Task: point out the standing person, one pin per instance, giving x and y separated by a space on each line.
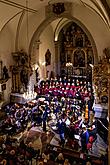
61 130
90 104
37 74
45 116
2 160
84 138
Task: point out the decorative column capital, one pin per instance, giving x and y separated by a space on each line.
36 44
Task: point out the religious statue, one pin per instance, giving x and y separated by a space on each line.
48 57
5 73
24 77
107 54
37 74
79 38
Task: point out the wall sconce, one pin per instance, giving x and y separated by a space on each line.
69 64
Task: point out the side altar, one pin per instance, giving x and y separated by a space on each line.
101 86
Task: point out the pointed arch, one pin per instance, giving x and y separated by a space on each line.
48 20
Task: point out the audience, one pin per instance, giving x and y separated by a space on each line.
60 159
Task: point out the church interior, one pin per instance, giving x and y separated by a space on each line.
54 82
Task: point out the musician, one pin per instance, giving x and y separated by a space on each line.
84 138
64 81
71 93
61 129
57 109
45 116
67 122
63 101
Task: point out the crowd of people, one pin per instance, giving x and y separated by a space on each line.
62 105
65 88
12 152
71 101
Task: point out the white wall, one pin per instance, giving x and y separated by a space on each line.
47 42
90 19
95 25
6 47
34 20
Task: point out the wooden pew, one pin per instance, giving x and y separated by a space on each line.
75 155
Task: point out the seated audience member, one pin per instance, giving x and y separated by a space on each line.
30 152
88 163
12 157
66 162
37 144
51 160
21 160
22 147
45 156
2 160
60 159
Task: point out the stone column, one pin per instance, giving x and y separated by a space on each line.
34 64
35 55
57 59
109 114
35 52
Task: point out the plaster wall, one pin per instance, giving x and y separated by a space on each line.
6 48
92 21
99 31
34 20
47 42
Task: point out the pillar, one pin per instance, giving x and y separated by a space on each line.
35 52
57 59
109 114
35 56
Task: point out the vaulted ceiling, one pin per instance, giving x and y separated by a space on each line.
9 8
14 22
